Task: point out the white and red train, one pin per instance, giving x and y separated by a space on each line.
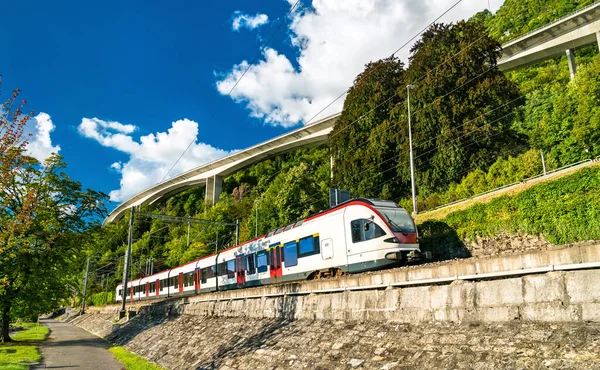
355 236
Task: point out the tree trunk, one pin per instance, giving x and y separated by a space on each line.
4 336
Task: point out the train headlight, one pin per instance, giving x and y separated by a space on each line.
392 240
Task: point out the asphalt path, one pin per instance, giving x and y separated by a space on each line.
70 347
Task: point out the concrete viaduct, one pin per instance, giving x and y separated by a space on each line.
561 36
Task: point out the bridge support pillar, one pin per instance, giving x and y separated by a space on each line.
214 186
571 61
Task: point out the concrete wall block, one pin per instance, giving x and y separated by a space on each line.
493 314
440 296
465 268
365 280
499 292
391 277
462 294
411 315
551 311
420 274
545 288
590 312
535 259
583 286
444 271
415 297
564 256
388 299
590 253
506 263
350 281
449 314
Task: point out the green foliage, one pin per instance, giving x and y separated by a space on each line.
39 262
517 17
131 361
34 332
564 211
14 355
461 115
101 298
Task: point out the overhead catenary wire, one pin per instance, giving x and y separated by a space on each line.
239 79
339 96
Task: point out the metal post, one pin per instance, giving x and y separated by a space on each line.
256 219
106 292
127 257
331 167
188 234
237 231
152 266
217 261
412 164
85 281
543 163
571 61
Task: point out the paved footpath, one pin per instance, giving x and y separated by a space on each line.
70 347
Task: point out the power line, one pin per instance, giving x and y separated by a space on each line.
239 79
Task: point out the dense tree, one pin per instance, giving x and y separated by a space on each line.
38 260
366 134
463 105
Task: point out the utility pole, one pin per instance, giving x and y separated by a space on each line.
256 219
237 231
188 233
412 163
85 281
106 291
543 163
127 257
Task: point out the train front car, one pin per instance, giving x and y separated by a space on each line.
381 235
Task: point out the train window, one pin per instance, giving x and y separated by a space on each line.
279 230
288 227
204 275
121 292
152 287
308 246
251 267
363 229
222 268
261 261
299 223
231 269
175 281
290 254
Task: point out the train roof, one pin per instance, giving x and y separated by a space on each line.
369 202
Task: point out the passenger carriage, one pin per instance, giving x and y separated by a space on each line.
355 236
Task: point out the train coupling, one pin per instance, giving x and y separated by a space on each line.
410 257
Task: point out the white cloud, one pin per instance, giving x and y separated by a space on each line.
248 21
152 155
334 40
39 142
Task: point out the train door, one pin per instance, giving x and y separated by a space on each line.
240 269
157 287
197 280
147 289
181 282
275 258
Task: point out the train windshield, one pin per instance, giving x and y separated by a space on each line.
399 220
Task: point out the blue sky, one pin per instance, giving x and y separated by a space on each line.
108 73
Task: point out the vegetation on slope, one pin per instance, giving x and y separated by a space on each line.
565 210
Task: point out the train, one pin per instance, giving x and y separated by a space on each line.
355 236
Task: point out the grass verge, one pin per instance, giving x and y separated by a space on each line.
131 361
16 355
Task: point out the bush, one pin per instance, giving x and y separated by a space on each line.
564 211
